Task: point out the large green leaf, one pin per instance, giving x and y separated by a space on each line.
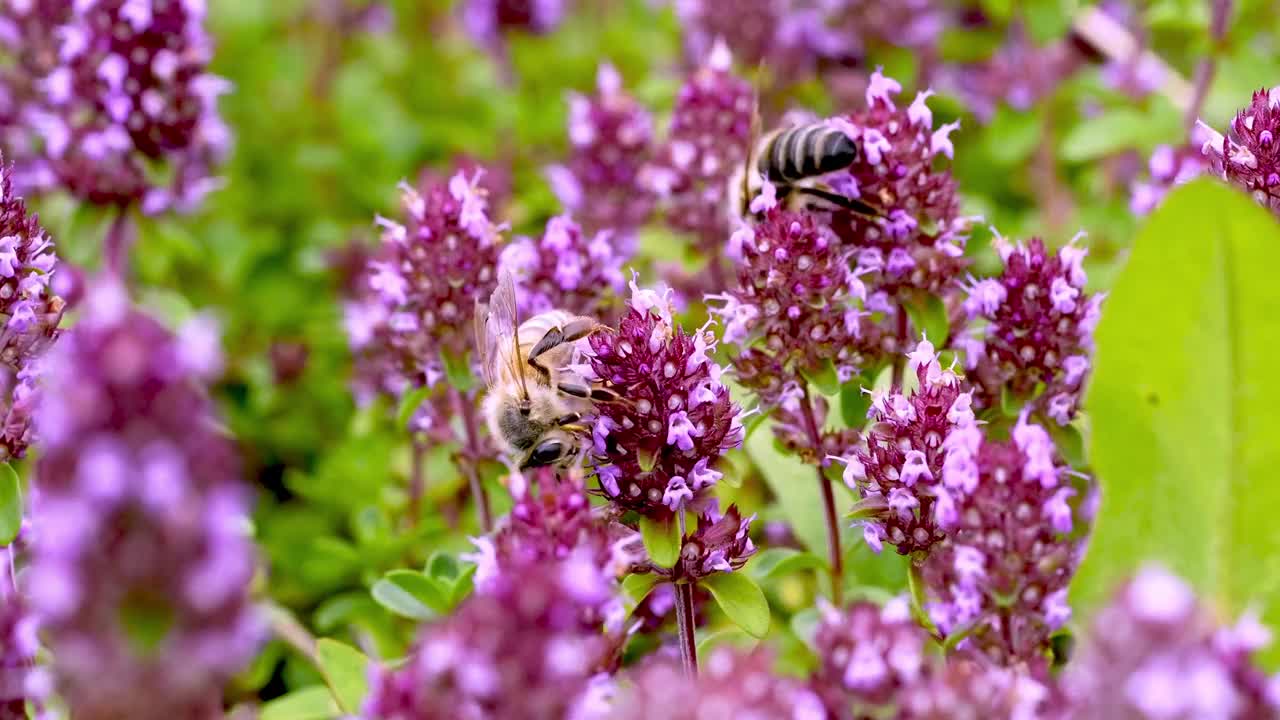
345 671
1185 403
661 540
742 600
309 703
10 504
411 594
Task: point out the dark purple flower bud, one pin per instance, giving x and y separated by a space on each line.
1039 328
919 242
917 459
421 287
19 682
706 144
102 92
1157 652
31 311
141 560
1000 580
795 301
719 544
1019 74
1169 167
1249 155
486 21
611 139
730 684
565 270
867 655
656 449
517 651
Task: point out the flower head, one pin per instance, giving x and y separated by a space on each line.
1169 167
103 91
719 544
706 144
655 449
1012 547
1156 652
917 459
140 514
1249 155
967 688
610 138
564 270
1018 74
919 241
868 654
1039 328
18 642
730 684
518 650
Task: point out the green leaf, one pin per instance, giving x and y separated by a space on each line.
309 703
10 504
661 540
1184 404
346 672
732 637
930 317
462 586
637 587
458 371
854 403
741 599
805 625
824 378
409 404
442 567
1115 131
795 563
410 594
796 487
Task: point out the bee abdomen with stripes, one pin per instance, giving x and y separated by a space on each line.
806 151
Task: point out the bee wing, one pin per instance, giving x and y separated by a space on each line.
486 344
502 327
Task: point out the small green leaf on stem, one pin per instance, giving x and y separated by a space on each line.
410 594
742 600
345 671
309 703
10 504
661 540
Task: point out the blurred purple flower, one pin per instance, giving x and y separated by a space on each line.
1014 541
918 458
1169 167
852 27
867 655
656 450
565 270
516 651
611 140
99 92
706 143
1156 652
966 688
19 681
730 684
1019 74
487 21
141 560
1039 329
1249 155
768 32
33 311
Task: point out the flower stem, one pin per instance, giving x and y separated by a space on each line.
828 499
900 357
684 618
115 246
471 456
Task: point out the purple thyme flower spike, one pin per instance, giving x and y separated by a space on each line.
655 451
486 21
795 302
730 684
611 139
719 544
1157 652
518 650
1013 545
707 142
918 243
967 688
916 461
422 284
33 311
1019 74
1249 155
20 682
1039 328
1169 167
867 654
100 92
755 31
140 514
565 270
851 27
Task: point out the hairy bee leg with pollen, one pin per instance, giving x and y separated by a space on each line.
597 394
555 337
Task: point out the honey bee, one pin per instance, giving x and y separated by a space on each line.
534 405
794 159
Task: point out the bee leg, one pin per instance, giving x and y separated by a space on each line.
575 329
598 394
568 419
851 204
